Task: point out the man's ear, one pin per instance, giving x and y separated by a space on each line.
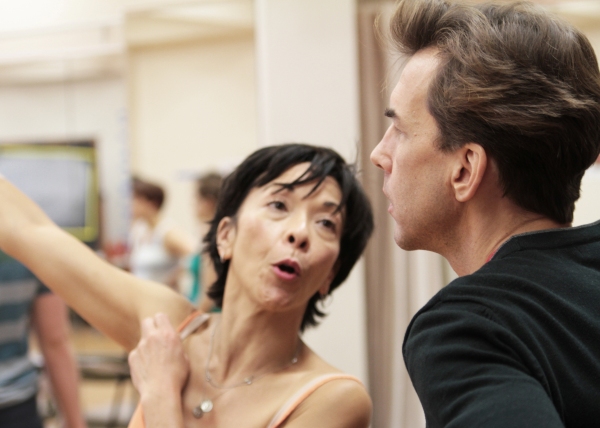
468 171
225 238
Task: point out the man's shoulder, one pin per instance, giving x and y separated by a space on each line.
527 269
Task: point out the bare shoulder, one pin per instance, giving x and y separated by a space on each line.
341 402
178 243
159 298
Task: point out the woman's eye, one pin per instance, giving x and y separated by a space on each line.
329 224
278 205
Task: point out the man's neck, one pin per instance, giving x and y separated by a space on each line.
480 237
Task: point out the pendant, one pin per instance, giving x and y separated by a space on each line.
197 412
204 407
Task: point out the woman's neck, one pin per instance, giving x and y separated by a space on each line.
151 219
251 343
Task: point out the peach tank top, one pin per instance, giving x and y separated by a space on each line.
194 321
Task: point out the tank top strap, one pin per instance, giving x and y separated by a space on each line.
191 323
295 400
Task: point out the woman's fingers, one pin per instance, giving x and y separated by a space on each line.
148 326
162 321
159 358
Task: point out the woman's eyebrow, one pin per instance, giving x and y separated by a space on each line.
280 187
332 205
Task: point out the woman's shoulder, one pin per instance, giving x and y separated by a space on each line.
328 397
329 400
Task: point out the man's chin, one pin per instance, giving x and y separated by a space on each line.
403 241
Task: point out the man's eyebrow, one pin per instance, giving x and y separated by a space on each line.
389 112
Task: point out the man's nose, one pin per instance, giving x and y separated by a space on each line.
378 156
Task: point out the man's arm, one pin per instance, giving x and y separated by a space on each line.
469 371
51 325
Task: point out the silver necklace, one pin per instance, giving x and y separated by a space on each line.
206 405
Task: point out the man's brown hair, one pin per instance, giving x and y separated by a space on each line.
521 83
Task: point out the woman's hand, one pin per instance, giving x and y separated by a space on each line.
158 364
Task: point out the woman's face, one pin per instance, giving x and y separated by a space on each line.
283 244
141 208
205 209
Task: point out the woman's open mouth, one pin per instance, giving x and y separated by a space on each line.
287 269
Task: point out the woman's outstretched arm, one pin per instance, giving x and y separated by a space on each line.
110 299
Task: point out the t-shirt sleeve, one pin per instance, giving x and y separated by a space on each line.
42 289
470 371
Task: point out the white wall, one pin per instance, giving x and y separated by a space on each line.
308 92
66 111
193 107
587 209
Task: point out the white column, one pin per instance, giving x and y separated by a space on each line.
307 75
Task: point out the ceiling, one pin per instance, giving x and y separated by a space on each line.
95 44
97 47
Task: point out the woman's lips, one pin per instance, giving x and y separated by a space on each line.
287 269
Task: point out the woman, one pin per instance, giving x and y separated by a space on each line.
156 247
291 222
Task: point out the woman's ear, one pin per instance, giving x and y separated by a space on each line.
324 289
225 238
468 171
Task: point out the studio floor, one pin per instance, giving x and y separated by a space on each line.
107 395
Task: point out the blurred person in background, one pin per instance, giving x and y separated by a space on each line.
199 272
155 245
25 304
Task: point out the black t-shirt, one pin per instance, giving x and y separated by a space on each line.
517 343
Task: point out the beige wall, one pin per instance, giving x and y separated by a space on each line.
193 107
308 91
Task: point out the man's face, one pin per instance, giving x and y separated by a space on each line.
416 172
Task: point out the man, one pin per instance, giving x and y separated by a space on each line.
24 301
495 118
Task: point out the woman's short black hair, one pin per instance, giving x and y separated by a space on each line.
268 163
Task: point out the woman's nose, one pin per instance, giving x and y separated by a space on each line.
298 235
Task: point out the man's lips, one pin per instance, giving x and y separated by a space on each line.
388 198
